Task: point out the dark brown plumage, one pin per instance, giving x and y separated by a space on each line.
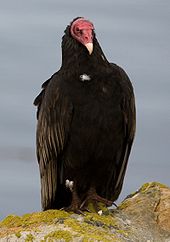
86 125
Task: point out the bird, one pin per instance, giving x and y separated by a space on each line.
86 122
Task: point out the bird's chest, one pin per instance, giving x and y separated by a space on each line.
94 89
96 104
94 86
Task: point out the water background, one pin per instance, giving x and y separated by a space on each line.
133 34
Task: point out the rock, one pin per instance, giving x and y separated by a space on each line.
163 210
142 216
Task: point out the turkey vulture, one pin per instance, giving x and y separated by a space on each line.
86 125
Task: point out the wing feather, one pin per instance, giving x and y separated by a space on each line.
54 118
129 124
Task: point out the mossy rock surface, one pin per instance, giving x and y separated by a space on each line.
142 216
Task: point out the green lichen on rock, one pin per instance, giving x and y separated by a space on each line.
92 229
29 238
29 220
100 206
11 221
16 224
124 204
18 234
103 221
58 235
145 187
150 187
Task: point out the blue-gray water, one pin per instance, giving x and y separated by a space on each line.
133 34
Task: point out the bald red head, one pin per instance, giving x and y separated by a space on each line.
82 30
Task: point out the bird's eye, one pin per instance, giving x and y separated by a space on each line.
79 31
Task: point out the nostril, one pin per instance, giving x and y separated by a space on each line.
87 38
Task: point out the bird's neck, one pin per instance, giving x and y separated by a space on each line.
76 58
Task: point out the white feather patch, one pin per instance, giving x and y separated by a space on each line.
100 212
85 77
69 184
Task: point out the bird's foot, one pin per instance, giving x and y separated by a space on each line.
75 203
94 199
74 209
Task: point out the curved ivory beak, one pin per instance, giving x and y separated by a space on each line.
89 47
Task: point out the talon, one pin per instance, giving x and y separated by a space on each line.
85 208
94 198
74 210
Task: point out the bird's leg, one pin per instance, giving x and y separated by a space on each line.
93 197
76 202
